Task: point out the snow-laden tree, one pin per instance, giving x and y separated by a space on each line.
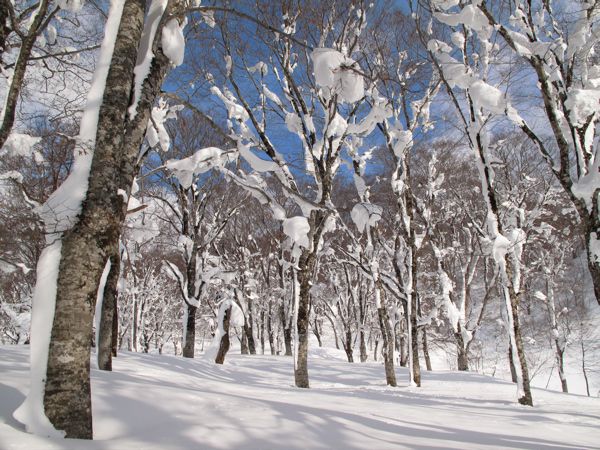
558 42
476 102
318 93
85 215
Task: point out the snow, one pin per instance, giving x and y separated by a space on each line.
156 132
365 215
487 97
170 403
173 42
145 54
582 103
336 73
201 161
470 16
19 144
31 411
297 228
236 319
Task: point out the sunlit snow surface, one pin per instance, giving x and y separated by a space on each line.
166 402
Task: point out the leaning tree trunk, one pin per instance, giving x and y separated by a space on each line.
87 246
190 332
224 344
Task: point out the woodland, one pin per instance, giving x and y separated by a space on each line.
411 183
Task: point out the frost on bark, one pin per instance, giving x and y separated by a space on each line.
87 246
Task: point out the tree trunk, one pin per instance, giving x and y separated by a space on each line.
105 344
363 347
115 327
244 342
387 338
426 351
67 396
526 398
511 362
416 372
224 344
190 332
462 359
317 333
249 329
348 346
560 360
271 334
305 276
376 347
287 332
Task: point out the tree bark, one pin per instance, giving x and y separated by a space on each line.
305 278
87 246
348 345
67 397
387 338
190 332
363 347
105 345
224 344
462 359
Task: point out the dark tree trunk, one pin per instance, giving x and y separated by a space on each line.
224 344
244 343
105 342
86 247
287 332
249 329
511 362
348 345
190 332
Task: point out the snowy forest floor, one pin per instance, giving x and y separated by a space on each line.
167 402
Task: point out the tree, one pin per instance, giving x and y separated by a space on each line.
559 47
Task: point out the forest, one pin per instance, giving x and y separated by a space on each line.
410 186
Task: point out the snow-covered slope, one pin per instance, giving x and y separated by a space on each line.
167 402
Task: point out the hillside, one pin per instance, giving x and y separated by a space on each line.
166 402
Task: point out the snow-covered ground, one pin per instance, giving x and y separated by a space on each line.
167 402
